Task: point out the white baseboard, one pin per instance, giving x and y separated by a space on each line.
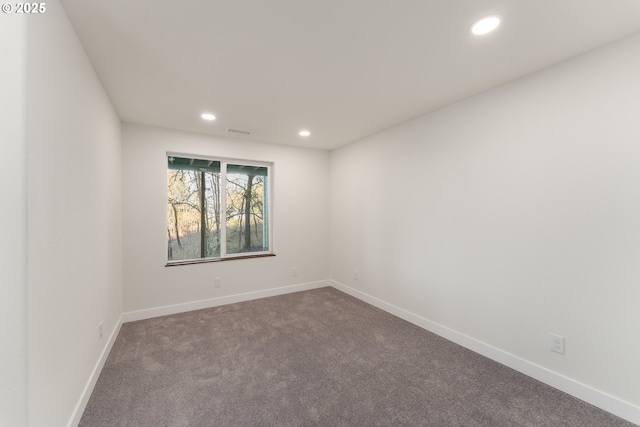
76 415
618 407
214 302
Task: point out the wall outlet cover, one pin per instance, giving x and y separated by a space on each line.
556 343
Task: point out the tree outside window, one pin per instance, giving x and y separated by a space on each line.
202 192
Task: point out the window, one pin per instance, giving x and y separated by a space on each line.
217 209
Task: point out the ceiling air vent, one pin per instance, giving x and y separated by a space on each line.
243 132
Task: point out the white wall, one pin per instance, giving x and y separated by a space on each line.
510 215
13 249
504 217
300 217
74 217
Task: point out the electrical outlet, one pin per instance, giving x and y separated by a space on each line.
217 282
100 330
295 271
355 274
556 343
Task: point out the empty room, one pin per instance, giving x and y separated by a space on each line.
305 213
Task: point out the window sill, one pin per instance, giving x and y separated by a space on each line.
206 260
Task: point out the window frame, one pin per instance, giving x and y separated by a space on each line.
224 161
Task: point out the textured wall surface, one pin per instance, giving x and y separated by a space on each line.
510 215
74 217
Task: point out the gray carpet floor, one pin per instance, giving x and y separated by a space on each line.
313 358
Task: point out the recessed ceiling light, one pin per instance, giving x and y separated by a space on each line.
208 116
304 133
485 25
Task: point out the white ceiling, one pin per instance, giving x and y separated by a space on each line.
341 69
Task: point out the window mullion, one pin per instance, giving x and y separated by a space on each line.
266 231
223 209
203 216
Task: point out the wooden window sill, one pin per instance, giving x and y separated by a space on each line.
206 260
